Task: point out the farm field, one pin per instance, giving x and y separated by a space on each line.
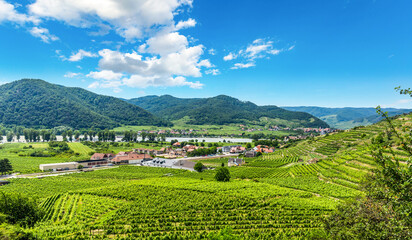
214 130
282 195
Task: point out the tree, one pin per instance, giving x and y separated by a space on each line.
199 167
5 166
222 174
70 135
248 145
10 136
19 209
64 135
18 136
76 135
384 213
144 135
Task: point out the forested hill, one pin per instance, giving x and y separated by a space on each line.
222 110
348 117
36 103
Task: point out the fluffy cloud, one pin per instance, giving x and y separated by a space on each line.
9 13
129 18
142 82
205 63
183 63
168 69
230 57
43 34
186 24
80 55
164 44
259 48
105 75
164 58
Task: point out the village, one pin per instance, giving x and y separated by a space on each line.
174 156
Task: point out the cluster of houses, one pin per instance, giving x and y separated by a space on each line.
99 159
232 149
278 128
141 155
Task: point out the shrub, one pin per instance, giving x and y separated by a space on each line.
19 209
222 175
199 167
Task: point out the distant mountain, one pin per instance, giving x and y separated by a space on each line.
36 103
345 118
221 110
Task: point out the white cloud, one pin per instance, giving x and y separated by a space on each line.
205 63
186 24
183 63
164 58
129 18
230 57
114 85
94 85
259 48
80 55
164 43
213 71
43 34
9 13
71 75
143 82
212 51
243 65
105 75
166 70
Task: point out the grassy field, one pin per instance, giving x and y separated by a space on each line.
80 148
26 164
216 130
275 196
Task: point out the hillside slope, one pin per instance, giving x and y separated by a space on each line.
36 103
220 110
345 118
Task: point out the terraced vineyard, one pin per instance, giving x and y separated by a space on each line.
282 195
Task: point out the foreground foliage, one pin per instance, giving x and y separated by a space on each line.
385 211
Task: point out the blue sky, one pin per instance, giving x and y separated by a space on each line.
285 53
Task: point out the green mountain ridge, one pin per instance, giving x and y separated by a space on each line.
37 103
347 117
220 110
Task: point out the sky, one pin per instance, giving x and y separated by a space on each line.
342 53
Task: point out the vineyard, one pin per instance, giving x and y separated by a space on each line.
282 195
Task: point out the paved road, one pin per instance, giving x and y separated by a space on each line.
51 174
